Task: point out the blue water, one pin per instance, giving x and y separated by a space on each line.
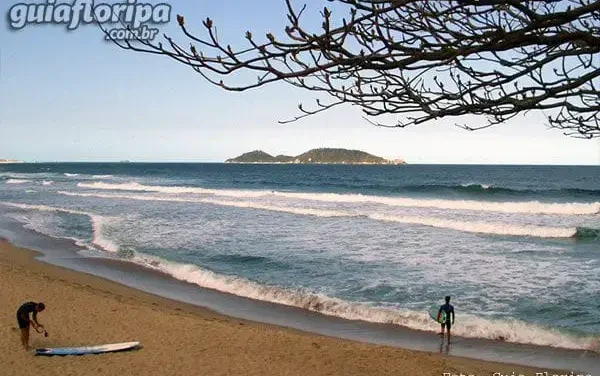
517 247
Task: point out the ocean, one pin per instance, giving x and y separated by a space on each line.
517 247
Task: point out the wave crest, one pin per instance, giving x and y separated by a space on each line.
464 226
17 181
528 207
472 326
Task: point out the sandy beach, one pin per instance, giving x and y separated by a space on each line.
178 338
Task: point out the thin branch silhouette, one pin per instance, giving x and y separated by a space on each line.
424 60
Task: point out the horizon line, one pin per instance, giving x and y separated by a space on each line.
348 164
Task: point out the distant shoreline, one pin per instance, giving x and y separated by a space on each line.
9 161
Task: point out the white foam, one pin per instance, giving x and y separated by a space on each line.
47 182
70 175
483 186
482 227
471 326
237 204
42 227
464 226
17 181
26 175
102 176
529 207
42 208
134 186
97 221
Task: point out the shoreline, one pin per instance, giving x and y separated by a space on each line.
326 355
65 253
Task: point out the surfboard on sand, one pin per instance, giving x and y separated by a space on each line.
113 347
433 313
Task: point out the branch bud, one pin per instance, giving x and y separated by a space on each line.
180 20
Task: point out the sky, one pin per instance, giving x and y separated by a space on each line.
71 96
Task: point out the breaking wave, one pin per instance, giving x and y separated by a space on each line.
471 325
528 207
464 226
97 222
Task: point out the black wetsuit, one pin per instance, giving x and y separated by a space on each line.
447 309
23 312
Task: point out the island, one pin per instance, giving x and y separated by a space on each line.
316 156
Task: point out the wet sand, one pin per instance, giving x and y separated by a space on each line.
181 339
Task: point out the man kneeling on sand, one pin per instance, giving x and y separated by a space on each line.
24 320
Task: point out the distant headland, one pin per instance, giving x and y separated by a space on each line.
10 161
316 156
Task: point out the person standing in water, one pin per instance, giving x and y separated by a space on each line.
25 321
447 309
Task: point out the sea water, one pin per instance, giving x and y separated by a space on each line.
517 247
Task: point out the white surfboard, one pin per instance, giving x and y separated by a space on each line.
84 350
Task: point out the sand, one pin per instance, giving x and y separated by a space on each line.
180 339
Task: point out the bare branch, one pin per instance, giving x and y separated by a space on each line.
422 59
